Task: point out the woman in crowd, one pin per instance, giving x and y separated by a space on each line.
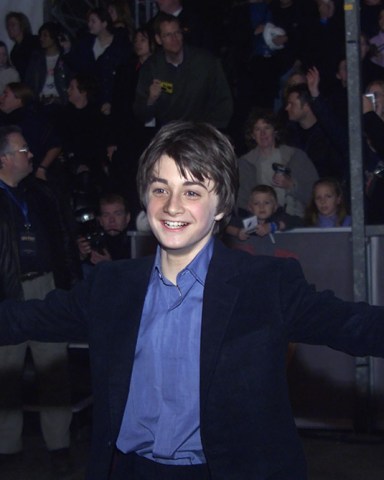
84 130
47 73
132 137
8 74
19 31
100 54
287 169
121 18
126 81
143 46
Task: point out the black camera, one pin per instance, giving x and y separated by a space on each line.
279 168
96 240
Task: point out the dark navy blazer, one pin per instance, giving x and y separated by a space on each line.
253 306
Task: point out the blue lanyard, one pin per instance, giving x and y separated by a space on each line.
23 206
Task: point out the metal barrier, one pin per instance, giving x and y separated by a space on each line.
322 381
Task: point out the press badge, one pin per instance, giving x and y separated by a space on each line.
27 243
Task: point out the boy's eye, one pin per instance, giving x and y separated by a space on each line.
158 191
192 194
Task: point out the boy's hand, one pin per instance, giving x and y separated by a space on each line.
263 229
242 235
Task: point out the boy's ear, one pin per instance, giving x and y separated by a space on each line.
219 216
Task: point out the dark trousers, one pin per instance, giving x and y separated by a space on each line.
133 467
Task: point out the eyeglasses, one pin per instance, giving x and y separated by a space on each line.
177 33
20 150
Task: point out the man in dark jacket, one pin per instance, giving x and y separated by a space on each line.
36 256
181 82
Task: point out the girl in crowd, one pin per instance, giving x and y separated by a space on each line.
327 207
8 74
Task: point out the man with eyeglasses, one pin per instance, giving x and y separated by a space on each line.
16 108
193 23
181 82
35 257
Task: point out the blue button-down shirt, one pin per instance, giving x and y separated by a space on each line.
162 416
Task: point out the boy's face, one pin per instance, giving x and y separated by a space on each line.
182 211
263 205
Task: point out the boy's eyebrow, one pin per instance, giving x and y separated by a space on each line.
186 183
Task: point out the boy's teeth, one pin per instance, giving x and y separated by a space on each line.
175 224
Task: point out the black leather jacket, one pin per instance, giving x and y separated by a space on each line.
66 269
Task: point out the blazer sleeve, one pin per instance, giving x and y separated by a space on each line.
322 319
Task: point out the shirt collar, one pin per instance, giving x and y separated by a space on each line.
198 267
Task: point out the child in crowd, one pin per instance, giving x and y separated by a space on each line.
327 207
270 216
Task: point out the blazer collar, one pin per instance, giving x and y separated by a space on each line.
220 298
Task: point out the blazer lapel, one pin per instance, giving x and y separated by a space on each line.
219 302
123 339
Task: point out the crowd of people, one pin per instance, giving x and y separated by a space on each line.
100 97
77 113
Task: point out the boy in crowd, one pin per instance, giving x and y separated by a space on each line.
270 217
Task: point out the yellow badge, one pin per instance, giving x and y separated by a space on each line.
167 87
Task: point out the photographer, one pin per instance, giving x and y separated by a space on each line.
109 241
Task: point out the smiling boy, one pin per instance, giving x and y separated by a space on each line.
188 348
